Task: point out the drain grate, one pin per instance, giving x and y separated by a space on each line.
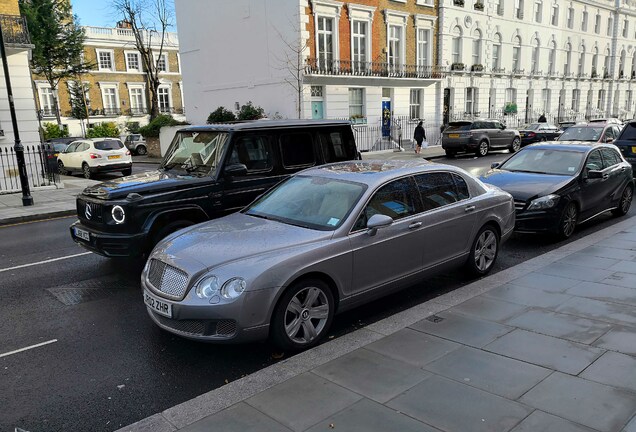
88 290
435 319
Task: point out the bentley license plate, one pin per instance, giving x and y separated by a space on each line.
157 305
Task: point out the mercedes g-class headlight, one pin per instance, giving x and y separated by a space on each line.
207 287
544 203
119 214
233 288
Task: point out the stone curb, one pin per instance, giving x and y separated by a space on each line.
37 217
223 397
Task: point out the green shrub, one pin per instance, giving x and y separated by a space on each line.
250 112
107 129
53 130
152 129
132 127
221 115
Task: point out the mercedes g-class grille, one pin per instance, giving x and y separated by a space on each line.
167 279
90 211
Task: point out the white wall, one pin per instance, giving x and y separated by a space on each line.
234 51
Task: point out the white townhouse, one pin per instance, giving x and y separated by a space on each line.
517 59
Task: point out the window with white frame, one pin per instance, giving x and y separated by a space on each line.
471 100
423 47
629 94
576 100
552 57
516 53
625 28
396 44
555 15
359 37
535 56
163 97
496 51
546 96
133 63
610 25
137 100
519 9
568 59
606 63
633 71
616 102
500 7
415 104
584 20
356 102
47 101
110 99
621 64
162 62
511 95
600 104
457 45
325 41
538 10
570 20
597 23
594 62
105 60
477 47
581 66
424 2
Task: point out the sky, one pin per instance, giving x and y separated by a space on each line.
96 13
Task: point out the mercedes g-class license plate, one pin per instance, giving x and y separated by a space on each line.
81 234
157 305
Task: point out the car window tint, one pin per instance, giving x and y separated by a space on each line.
71 148
477 125
109 145
458 126
436 189
461 187
83 147
594 161
610 158
336 146
629 132
297 150
609 132
253 152
398 199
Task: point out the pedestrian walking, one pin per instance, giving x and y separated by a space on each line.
542 119
419 135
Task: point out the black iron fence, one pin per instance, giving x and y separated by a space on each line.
382 69
523 117
41 167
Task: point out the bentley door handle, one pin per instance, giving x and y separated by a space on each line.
415 225
469 208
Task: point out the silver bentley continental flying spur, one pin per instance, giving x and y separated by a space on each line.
323 241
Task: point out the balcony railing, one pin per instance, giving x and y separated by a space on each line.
377 69
14 30
111 111
137 111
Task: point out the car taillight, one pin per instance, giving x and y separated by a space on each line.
127 152
95 156
532 134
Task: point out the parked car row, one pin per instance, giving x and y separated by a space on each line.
267 229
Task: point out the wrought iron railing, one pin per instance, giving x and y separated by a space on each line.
14 30
137 111
40 163
111 111
380 69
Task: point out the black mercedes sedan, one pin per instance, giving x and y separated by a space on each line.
557 186
537 132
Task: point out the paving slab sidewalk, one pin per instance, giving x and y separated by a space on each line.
545 345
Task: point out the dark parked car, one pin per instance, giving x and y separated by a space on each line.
557 186
479 137
537 132
325 240
591 132
626 142
208 172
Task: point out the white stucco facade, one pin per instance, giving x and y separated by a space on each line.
555 57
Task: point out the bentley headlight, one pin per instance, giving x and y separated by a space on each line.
233 288
544 203
118 214
207 287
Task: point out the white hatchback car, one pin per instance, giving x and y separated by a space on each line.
95 155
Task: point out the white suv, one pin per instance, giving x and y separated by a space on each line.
95 155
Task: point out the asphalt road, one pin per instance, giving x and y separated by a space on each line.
104 364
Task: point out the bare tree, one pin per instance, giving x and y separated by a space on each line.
293 61
149 21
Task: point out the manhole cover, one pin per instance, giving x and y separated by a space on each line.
435 319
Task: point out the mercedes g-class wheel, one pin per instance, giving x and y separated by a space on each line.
483 148
86 170
303 315
141 150
515 146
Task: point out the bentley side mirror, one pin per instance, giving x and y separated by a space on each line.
378 221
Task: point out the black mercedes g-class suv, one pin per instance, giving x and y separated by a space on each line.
207 172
